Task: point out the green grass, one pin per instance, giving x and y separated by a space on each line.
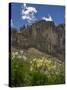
36 71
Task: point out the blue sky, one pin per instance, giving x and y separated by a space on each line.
56 12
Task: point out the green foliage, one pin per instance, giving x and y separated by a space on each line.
36 71
39 78
61 26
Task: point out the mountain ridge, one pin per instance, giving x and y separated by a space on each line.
41 35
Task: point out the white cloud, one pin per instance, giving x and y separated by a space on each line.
49 18
29 10
26 17
24 4
28 13
29 20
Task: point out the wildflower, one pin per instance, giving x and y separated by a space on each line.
31 62
19 56
31 68
16 53
13 55
38 65
21 51
42 58
41 61
34 59
24 57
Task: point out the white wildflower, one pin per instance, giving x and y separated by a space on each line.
19 56
21 51
16 53
24 57
31 68
34 59
31 62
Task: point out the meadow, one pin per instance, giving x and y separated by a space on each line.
34 70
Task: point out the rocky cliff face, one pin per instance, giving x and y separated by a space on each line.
42 35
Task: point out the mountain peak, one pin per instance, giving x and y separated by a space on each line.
43 36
